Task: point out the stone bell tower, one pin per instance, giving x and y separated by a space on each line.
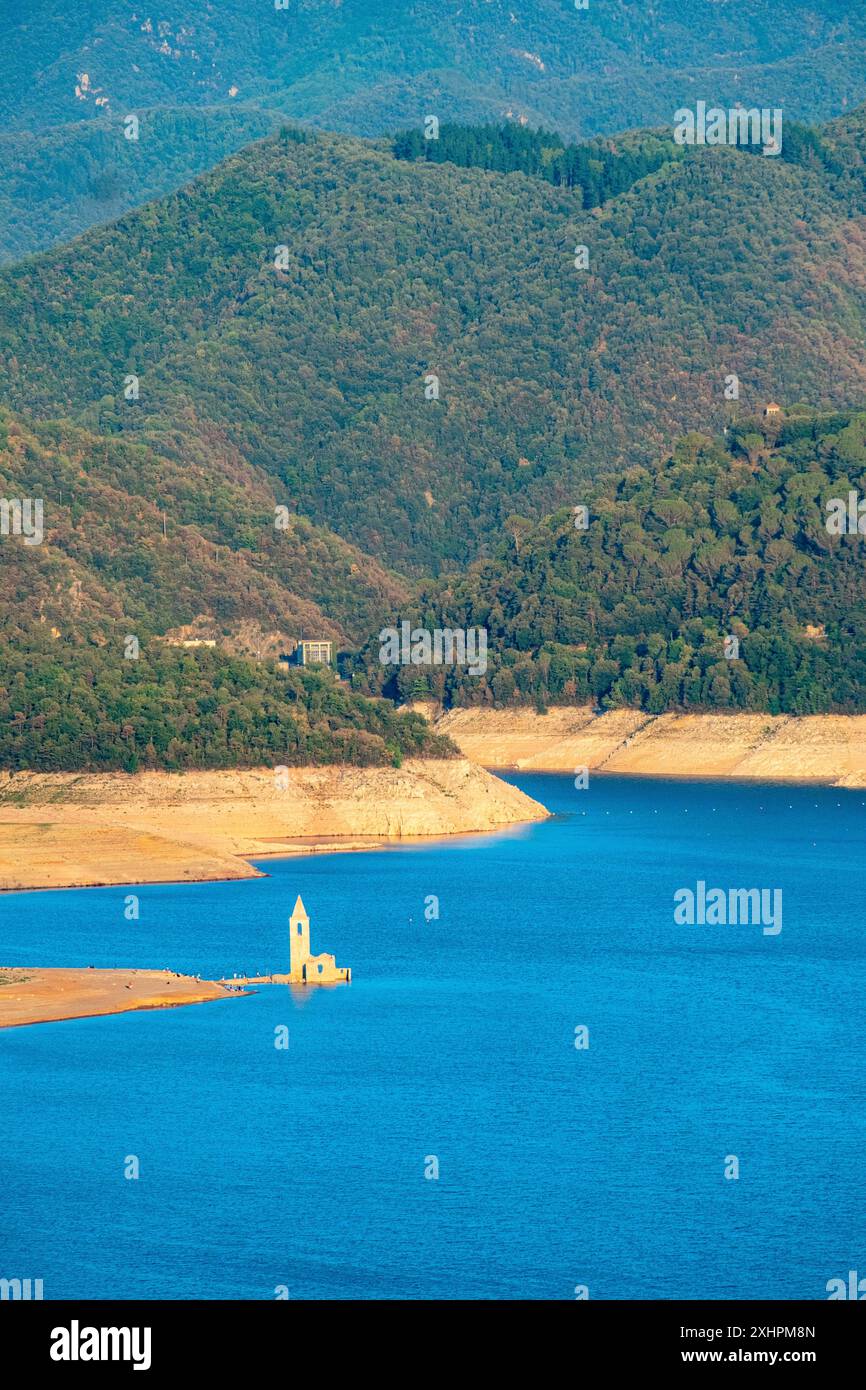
299 942
307 969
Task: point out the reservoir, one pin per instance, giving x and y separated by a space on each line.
477 966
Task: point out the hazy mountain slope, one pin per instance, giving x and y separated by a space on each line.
314 55
315 371
58 182
367 68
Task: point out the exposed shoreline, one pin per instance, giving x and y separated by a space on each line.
112 829
71 830
34 994
822 749
679 777
75 830
292 849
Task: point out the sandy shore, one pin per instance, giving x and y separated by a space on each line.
760 747
34 995
75 830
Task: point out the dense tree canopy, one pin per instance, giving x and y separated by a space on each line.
75 703
638 609
599 169
401 356
298 310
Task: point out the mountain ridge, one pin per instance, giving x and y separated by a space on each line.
613 66
314 371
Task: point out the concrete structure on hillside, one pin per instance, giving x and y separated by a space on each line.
305 968
310 650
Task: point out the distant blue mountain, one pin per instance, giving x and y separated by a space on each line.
74 69
363 65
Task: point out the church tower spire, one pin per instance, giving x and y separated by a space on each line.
299 948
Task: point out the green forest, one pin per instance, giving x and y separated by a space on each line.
80 704
600 169
718 541
281 321
138 536
311 364
56 184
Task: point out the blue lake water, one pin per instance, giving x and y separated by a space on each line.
558 1167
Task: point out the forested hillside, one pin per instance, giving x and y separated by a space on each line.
134 537
74 69
603 168
292 308
634 610
134 546
405 359
68 703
